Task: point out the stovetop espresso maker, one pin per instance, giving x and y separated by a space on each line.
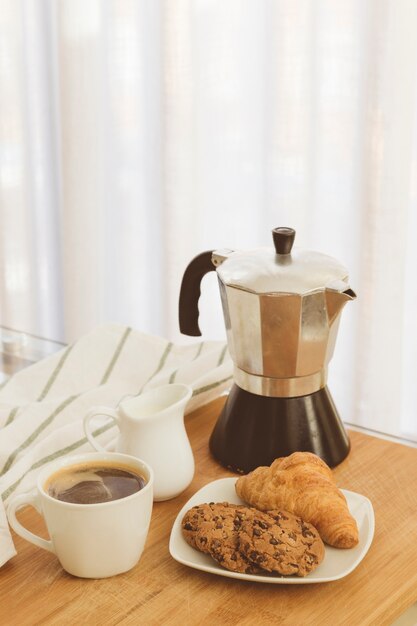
282 309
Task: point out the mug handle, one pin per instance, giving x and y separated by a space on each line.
16 503
105 412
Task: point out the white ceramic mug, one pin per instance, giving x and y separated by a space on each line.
91 540
152 428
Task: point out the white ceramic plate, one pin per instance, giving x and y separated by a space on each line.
336 563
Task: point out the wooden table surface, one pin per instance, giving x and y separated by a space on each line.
35 590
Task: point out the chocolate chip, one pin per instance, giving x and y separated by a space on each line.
273 541
306 532
263 525
312 558
257 532
188 526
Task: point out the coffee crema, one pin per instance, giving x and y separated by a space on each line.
93 483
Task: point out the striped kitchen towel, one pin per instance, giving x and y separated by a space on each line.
42 406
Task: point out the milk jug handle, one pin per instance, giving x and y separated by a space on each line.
190 293
96 411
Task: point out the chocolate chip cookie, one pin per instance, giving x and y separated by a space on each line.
280 542
213 529
205 522
225 550
227 554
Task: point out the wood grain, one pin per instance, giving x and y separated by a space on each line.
35 590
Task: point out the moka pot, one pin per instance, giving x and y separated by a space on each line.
282 309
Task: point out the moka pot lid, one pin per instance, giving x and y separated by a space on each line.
282 269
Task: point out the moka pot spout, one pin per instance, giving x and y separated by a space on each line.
338 293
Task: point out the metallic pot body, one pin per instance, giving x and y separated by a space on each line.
281 344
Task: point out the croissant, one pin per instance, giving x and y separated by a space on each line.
304 485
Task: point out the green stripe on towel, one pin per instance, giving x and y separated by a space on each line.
4 383
115 356
197 392
200 347
161 364
54 374
12 415
175 372
222 355
36 432
172 377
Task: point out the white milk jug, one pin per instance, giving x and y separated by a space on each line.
152 428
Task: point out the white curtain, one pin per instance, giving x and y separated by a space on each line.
136 134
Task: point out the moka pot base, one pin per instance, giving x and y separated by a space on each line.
253 430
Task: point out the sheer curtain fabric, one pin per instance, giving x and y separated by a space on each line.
136 134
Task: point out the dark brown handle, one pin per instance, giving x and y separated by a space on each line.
283 239
190 293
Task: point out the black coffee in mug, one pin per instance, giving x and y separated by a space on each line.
92 483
